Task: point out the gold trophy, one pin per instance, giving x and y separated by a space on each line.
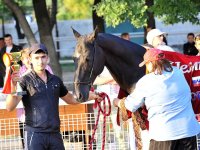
11 62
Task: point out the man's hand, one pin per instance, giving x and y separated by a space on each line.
94 96
15 77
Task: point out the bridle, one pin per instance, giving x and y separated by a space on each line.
89 82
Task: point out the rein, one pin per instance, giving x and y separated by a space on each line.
105 114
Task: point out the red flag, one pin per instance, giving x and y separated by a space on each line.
7 84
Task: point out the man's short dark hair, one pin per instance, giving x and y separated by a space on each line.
190 34
124 34
7 35
1 38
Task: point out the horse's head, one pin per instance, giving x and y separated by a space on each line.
89 62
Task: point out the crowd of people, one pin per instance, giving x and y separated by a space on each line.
164 91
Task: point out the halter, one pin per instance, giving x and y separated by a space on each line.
89 82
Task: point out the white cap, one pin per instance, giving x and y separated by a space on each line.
153 33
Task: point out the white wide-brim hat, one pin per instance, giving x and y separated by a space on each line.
153 33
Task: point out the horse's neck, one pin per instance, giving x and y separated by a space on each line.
125 74
122 59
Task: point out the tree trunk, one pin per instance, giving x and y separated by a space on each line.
53 21
150 21
53 13
98 21
18 28
3 26
44 28
22 20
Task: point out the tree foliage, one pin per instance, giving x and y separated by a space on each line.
4 11
74 9
170 11
26 5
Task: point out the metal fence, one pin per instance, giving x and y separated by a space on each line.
76 130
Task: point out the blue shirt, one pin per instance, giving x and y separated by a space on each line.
168 100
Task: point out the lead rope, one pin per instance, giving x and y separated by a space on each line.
103 111
136 127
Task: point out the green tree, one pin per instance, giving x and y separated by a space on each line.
80 9
141 12
75 9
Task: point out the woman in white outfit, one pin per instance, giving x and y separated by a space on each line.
167 96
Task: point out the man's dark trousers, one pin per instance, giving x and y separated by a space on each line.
43 141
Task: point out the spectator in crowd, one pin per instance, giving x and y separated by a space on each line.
167 96
155 38
9 45
125 36
189 47
42 130
197 43
8 48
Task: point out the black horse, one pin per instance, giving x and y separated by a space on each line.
94 51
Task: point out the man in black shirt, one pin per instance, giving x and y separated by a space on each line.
189 47
42 130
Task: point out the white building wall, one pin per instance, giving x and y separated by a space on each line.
177 33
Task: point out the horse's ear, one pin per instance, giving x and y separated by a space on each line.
94 33
76 34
